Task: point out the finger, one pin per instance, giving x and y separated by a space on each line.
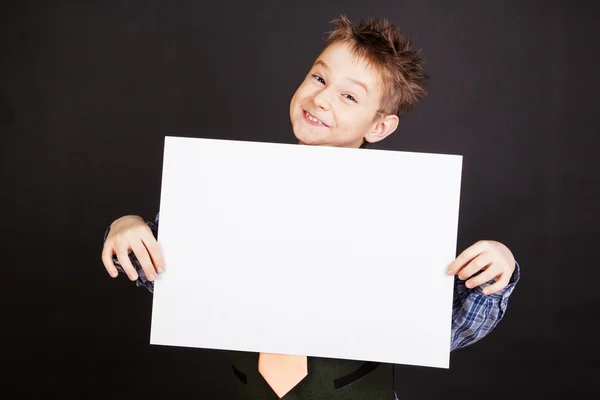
498 285
466 256
485 276
144 258
123 257
154 251
107 253
477 264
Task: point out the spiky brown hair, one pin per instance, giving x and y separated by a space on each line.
383 46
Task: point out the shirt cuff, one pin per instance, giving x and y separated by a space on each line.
106 232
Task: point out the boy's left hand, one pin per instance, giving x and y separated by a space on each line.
493 259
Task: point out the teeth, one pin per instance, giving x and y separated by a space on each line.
313 118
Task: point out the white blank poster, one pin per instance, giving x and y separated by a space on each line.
318 251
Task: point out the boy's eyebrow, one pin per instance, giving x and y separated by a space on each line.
359 83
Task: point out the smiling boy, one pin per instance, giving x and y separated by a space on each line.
357 87
366 76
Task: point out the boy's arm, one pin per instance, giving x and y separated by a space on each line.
475 314
142 281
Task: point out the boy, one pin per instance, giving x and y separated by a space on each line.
366 77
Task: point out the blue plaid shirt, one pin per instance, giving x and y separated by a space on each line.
474 314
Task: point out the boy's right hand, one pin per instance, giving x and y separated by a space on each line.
130 233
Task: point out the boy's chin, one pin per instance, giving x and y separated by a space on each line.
311 139
308 139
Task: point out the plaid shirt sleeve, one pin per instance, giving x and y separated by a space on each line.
474 314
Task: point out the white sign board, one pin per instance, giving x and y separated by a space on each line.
317 251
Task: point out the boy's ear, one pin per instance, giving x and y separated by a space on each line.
383 127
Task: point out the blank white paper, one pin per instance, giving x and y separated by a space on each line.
318 251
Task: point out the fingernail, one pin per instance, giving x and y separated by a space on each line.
160 270
150 277
133 277
449 272
114 274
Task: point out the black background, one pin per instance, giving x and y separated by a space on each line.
88 90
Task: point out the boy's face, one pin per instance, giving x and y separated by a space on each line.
337 103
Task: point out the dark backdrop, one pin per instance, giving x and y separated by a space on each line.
88 90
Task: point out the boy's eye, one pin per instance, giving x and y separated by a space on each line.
350 97
319 79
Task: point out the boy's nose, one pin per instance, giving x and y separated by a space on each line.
322 101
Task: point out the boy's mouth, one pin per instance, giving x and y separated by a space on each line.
311 119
